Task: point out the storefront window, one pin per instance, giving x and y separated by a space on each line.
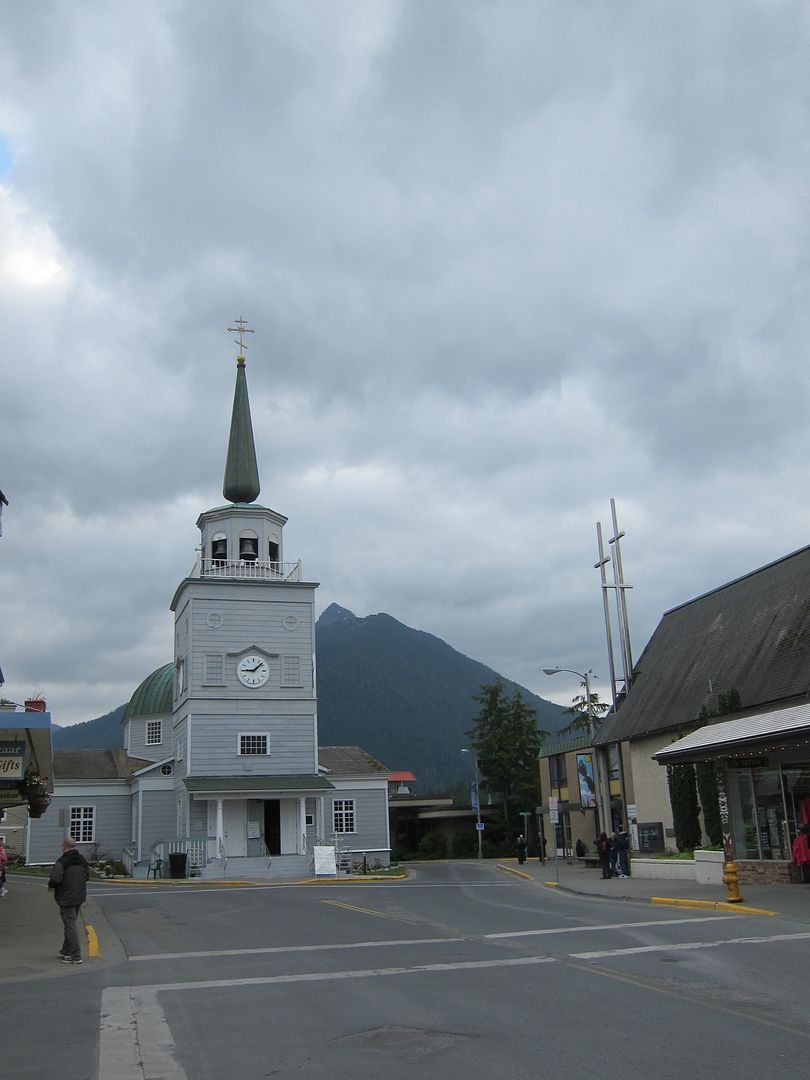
767 807
771 825
741 814
797 799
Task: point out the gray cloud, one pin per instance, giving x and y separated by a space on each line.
504 262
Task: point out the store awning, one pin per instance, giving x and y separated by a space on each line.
777 729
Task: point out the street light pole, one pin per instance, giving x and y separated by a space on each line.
586 682
478 826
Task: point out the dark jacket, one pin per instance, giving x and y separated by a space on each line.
69 879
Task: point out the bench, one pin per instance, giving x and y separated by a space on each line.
589 862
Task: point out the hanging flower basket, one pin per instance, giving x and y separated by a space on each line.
37 805
33 784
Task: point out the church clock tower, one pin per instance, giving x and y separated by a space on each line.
245 715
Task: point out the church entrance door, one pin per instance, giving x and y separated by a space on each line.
272 825
234 827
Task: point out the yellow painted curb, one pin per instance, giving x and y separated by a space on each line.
714 905
93 947
185 883
511 870
552 884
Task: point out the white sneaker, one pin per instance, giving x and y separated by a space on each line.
3 891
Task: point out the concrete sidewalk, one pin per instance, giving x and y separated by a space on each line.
789 901
31 932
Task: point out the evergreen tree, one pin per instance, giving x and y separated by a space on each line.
709 801
728 701
683 799
507 742
584 718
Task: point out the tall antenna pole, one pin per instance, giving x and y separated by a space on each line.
621 601
600 566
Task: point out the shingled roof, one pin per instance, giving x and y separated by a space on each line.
751 635
95 764
349 761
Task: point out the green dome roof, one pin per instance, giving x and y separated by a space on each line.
154 695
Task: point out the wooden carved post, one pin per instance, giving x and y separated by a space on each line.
729 869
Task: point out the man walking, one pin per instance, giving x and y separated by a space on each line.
69 883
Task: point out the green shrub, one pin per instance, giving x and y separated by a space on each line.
431 846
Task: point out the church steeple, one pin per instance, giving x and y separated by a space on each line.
241 471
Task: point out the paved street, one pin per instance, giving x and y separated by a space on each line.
463 970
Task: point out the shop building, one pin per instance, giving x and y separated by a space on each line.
746 642
764 764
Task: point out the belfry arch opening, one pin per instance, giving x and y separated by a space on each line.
248 547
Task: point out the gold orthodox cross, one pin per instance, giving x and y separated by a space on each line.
241 329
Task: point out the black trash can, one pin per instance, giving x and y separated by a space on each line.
177 864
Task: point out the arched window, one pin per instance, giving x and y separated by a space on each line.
248 547
219 547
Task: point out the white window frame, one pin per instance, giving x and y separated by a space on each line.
344 811
240 745
149 740
309 820
82 821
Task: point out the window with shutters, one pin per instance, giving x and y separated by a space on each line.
214 669
291 671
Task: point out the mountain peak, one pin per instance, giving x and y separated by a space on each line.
335 614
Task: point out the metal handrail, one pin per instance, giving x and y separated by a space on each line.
223 854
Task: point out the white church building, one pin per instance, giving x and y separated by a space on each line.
221 769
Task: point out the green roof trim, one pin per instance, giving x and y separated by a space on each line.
258 783
154 696
566 745
241 471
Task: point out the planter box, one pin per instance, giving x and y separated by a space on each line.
664 869
709 867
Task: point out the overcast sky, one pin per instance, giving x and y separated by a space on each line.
504 261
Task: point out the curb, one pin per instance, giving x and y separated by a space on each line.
93 947
713 905
511 870
185 883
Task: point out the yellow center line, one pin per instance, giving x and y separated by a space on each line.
368 911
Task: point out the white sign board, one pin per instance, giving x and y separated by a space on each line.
325 862
552 802
253 831
554 816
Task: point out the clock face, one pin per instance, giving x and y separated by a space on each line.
253 670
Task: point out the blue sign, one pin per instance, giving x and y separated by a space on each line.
479 826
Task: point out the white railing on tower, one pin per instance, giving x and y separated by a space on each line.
254 570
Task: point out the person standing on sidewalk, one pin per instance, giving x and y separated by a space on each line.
603 851
522 848
3 861
69 883
624 854
614 854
